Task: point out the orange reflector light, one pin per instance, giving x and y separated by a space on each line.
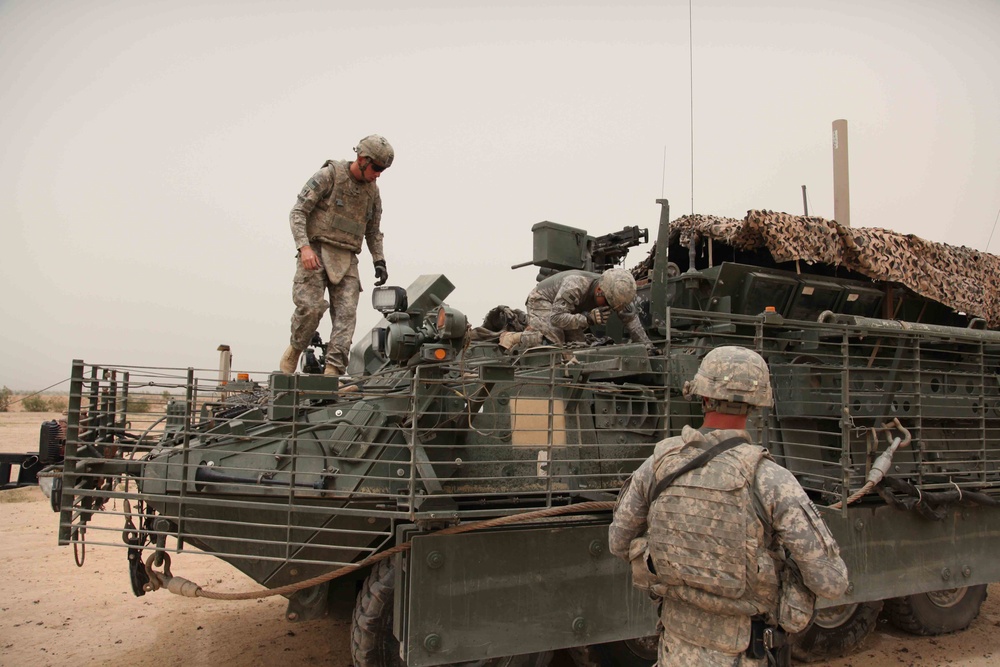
770 309
440 354
242 377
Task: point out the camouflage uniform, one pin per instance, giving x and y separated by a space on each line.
557 305
333 214
701 622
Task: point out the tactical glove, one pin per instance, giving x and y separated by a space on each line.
599 315
381 273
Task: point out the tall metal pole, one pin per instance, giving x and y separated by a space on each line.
225 363
805 202
841 182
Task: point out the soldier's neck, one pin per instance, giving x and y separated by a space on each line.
721 420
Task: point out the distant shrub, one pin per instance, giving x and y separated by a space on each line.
35 403
165 396
138 403
58 403
5 396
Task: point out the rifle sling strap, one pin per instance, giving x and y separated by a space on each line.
696 462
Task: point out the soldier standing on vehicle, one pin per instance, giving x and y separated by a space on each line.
724 537
338 208
562 306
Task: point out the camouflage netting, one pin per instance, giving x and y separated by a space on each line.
964 279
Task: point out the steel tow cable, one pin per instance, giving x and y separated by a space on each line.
180 586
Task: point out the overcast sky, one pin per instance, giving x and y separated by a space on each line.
151 151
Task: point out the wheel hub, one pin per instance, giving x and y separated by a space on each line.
947 598
834 617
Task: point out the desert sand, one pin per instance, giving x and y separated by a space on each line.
55 613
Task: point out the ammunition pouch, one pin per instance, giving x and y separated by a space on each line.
643 573
796 603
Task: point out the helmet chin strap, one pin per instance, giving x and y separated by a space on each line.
361 168
598 292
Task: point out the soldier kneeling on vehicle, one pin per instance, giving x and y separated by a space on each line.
563 306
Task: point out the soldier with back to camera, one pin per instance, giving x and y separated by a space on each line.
562 306
338 208
724 537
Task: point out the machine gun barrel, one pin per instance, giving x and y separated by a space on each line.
609 250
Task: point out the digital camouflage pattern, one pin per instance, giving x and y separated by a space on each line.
691 615
557 307
377 148
333 214
618 286
731 373
339 276
962 278
675 652
704 534
334 208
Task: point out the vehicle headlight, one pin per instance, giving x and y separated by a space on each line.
389 299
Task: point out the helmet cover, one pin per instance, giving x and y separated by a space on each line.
732 374
377 148
618 287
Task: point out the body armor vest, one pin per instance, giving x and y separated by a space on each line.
705 539
342 217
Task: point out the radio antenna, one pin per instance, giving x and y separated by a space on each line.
987 248
691 78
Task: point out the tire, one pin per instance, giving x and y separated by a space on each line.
628 653
936 613
372 641
836 631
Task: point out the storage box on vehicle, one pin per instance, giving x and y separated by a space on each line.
558 246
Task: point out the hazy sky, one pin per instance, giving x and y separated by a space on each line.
151 151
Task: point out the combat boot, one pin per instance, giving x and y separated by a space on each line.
333 371
289 361
509 339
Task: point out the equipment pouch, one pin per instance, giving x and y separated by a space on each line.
643 574
796 603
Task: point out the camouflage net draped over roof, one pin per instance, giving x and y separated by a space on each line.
962 278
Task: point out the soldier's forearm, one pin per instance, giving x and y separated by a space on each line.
297 222
374 242
569 321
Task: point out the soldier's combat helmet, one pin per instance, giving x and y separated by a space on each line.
377 148
618 287
734 380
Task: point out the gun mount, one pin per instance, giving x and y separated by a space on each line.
443 429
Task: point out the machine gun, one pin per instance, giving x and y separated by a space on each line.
609 250
561 248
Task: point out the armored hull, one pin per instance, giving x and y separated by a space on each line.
300 475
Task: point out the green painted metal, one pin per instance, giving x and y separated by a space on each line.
304 477
890 552
515 591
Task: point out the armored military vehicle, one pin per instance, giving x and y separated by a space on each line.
461 491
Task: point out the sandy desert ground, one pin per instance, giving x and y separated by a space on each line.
54 613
